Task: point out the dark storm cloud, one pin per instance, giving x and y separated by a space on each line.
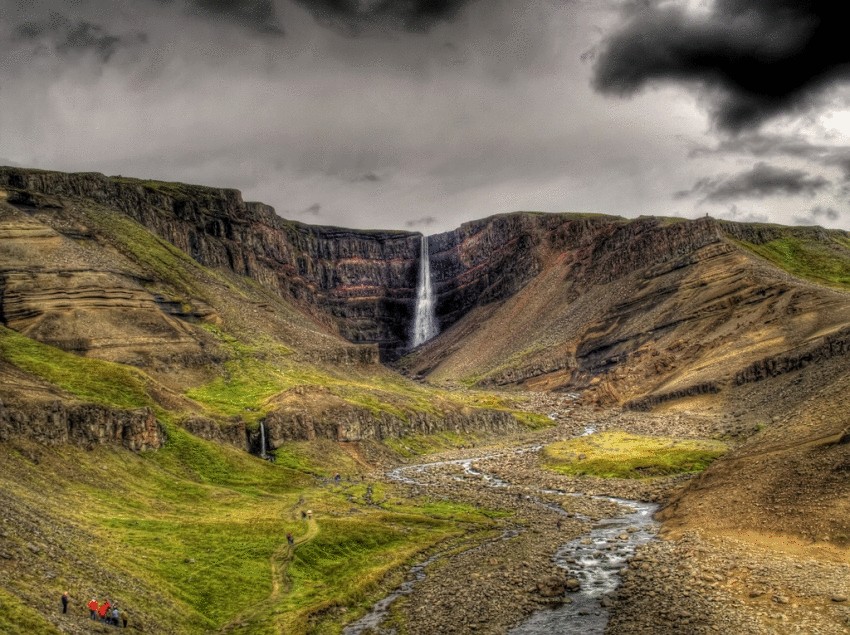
67 37
354 16
752 59
761 181
257 15
424 221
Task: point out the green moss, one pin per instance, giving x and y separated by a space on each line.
621 455
17 617
169 264
825 262
532 420
91 380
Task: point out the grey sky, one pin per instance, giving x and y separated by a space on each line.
421 114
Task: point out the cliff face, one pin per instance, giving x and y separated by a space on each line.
56 421
640 312
361 284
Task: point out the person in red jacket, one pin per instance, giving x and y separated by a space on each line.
93 608
103 609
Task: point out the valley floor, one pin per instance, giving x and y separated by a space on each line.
490 516
685 581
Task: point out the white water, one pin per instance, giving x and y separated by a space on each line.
595 558
262 440
425 324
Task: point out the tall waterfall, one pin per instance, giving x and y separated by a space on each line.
425 325
262 440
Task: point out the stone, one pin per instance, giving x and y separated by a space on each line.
551 586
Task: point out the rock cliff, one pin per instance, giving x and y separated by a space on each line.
359 283
56 421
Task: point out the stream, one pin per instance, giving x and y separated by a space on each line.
595 558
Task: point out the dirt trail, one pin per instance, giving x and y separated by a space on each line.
278 562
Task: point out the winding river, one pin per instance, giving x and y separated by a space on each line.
595 558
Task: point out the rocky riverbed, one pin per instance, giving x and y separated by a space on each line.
675 584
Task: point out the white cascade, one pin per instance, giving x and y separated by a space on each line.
425 324
262 440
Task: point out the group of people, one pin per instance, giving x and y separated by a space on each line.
106 612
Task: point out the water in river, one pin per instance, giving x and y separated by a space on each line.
595 559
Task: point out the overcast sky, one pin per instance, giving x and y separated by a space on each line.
422 114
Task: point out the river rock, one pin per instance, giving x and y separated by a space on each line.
551 586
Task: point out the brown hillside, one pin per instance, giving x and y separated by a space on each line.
641 312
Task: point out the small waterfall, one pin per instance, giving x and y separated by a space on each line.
262 440
425 324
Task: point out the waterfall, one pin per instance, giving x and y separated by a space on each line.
262 440
425 325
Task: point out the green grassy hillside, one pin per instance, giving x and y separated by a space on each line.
192 537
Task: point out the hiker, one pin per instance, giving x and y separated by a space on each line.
303 515
124 617
337 477
558 524
103 609
290 539
65 602
92 609
115 616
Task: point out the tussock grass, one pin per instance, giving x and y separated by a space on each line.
618 454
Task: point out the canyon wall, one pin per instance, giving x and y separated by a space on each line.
359 283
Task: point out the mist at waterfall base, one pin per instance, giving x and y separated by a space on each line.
425 324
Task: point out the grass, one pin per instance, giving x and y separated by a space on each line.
91 380
192 531
532 420
168 263
823 262
17 617
198 524
419 444
258 371
618 454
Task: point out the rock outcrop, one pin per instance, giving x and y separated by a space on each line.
55 421
355 424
